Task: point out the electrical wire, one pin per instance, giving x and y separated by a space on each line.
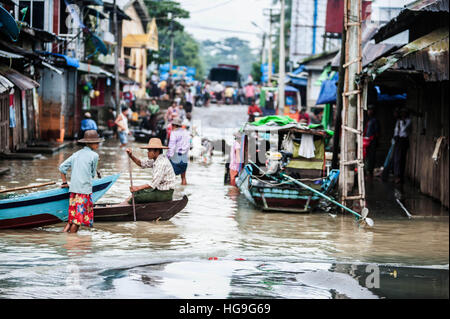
220 30
213 7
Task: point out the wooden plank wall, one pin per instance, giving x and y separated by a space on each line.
430 100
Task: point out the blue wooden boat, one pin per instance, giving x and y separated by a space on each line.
259 179
45 207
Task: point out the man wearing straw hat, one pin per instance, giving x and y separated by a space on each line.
162 186
84 167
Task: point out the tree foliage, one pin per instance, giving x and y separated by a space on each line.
186 48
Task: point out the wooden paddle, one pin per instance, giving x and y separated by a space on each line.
132 194
26 187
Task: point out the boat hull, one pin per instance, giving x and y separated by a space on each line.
45 207
144 212
282 199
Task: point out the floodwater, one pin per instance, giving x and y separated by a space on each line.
219 246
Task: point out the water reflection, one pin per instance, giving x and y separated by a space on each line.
279 255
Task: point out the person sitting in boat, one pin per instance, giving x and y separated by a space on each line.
84 167
162 186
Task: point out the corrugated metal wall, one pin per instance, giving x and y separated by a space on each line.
430 100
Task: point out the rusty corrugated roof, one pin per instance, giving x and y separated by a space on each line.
428 54
370 51
21 81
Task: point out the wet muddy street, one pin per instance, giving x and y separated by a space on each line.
258 255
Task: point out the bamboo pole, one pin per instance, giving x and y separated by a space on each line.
26 187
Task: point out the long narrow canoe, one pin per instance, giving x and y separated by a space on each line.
144 212
45 207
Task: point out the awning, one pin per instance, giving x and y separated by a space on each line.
21 81
69 60
428 55
127 81
94 69
121 15
9 55
5 84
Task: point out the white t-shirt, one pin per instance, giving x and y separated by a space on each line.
124 121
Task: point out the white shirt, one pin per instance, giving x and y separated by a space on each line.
124 123
402 128
164 178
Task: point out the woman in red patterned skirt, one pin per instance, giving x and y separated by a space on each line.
84 167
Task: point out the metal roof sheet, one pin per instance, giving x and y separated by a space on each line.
5 84
428 54
10 55
407 16
21 81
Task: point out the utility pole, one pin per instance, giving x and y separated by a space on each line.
270 62
116 60
352 121
171 42
282 70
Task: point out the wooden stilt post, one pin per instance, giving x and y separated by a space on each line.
352 111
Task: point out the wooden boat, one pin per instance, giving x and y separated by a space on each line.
144 212
45 207
265 187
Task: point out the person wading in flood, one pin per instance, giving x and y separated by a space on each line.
122 124
235 158
162 186
179 146
84 167
401 136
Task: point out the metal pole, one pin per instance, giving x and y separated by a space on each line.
116 61
282 71
270 62
171 42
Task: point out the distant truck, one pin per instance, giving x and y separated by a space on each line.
227 74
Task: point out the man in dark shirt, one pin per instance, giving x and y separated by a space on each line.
371 134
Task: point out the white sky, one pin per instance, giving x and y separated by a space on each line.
229 15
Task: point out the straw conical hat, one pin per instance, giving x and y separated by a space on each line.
154 143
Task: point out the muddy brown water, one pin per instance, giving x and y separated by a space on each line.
258 255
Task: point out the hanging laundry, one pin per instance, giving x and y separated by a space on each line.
307 148
288 143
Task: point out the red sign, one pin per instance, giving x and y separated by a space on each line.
335 15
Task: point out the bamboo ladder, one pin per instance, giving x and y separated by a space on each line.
345 163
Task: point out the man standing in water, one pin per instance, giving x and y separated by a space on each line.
401 136
84 167
179 146
122 126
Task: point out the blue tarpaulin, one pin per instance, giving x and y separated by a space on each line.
328 93
298 81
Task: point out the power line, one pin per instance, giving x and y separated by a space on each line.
220 30
213 7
